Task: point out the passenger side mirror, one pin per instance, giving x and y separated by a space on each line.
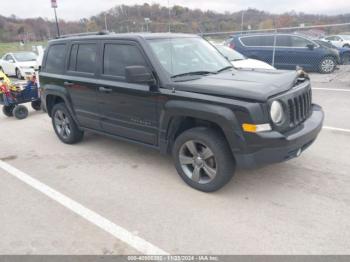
11 61
138 74
310 46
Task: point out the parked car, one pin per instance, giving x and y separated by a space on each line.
344 52
177 94
338 40
291 50
240 61
19 64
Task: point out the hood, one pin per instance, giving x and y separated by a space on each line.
27 64
256 85
251 63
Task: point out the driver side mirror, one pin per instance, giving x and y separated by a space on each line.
139 75
310 46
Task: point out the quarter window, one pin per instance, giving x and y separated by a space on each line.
55 59
118 56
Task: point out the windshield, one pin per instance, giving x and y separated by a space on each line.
25 57
228 52
185 55
345 37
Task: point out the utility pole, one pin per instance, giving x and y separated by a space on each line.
54 6
169 16
242 22
106 27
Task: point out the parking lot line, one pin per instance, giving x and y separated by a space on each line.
337 129
331 89
119 232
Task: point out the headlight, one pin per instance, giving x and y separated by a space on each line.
276 112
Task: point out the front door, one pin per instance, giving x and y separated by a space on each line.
128 110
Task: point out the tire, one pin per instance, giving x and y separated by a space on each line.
8 110
327 65
64 125
36 105
203 159
18 74
346 46
20 112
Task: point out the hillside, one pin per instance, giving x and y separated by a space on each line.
131 19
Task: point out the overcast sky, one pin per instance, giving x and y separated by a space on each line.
76 9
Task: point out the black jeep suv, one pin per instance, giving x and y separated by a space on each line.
176 93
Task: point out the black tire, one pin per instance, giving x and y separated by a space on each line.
8 110
20 112
327 65
18 74
36 105
347 46
221 160
62 121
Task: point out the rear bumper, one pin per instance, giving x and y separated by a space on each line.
281 147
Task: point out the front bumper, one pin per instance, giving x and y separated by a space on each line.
279 147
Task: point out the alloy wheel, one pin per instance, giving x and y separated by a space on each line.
198 162
62 124
327 65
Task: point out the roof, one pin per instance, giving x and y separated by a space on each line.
129 36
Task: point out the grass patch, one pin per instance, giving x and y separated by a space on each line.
15 47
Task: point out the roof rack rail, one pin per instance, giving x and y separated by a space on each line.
104 32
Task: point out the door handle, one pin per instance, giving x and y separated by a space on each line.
105 90
66 83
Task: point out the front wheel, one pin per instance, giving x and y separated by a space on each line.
203 159
8 110
20 112
64 125
327 65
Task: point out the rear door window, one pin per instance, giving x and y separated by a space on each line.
118 56
86 58
55 59
261 40
283 41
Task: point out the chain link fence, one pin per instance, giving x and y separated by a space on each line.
321 48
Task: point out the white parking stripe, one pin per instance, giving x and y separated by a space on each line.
122 234
337 129
331 89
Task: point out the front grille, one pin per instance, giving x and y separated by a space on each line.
299 107
297 103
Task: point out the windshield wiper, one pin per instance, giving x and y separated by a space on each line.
194 73
224 69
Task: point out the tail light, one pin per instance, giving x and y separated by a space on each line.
232 45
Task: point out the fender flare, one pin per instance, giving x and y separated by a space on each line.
220 115
62 93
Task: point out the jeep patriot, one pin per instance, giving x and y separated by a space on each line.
176 93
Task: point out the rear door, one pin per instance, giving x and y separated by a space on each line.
81 83
9 66
258 47
128 110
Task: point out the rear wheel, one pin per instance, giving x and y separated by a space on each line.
203 159
20 112
347 46
327 65
36 105
8 110
65 126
